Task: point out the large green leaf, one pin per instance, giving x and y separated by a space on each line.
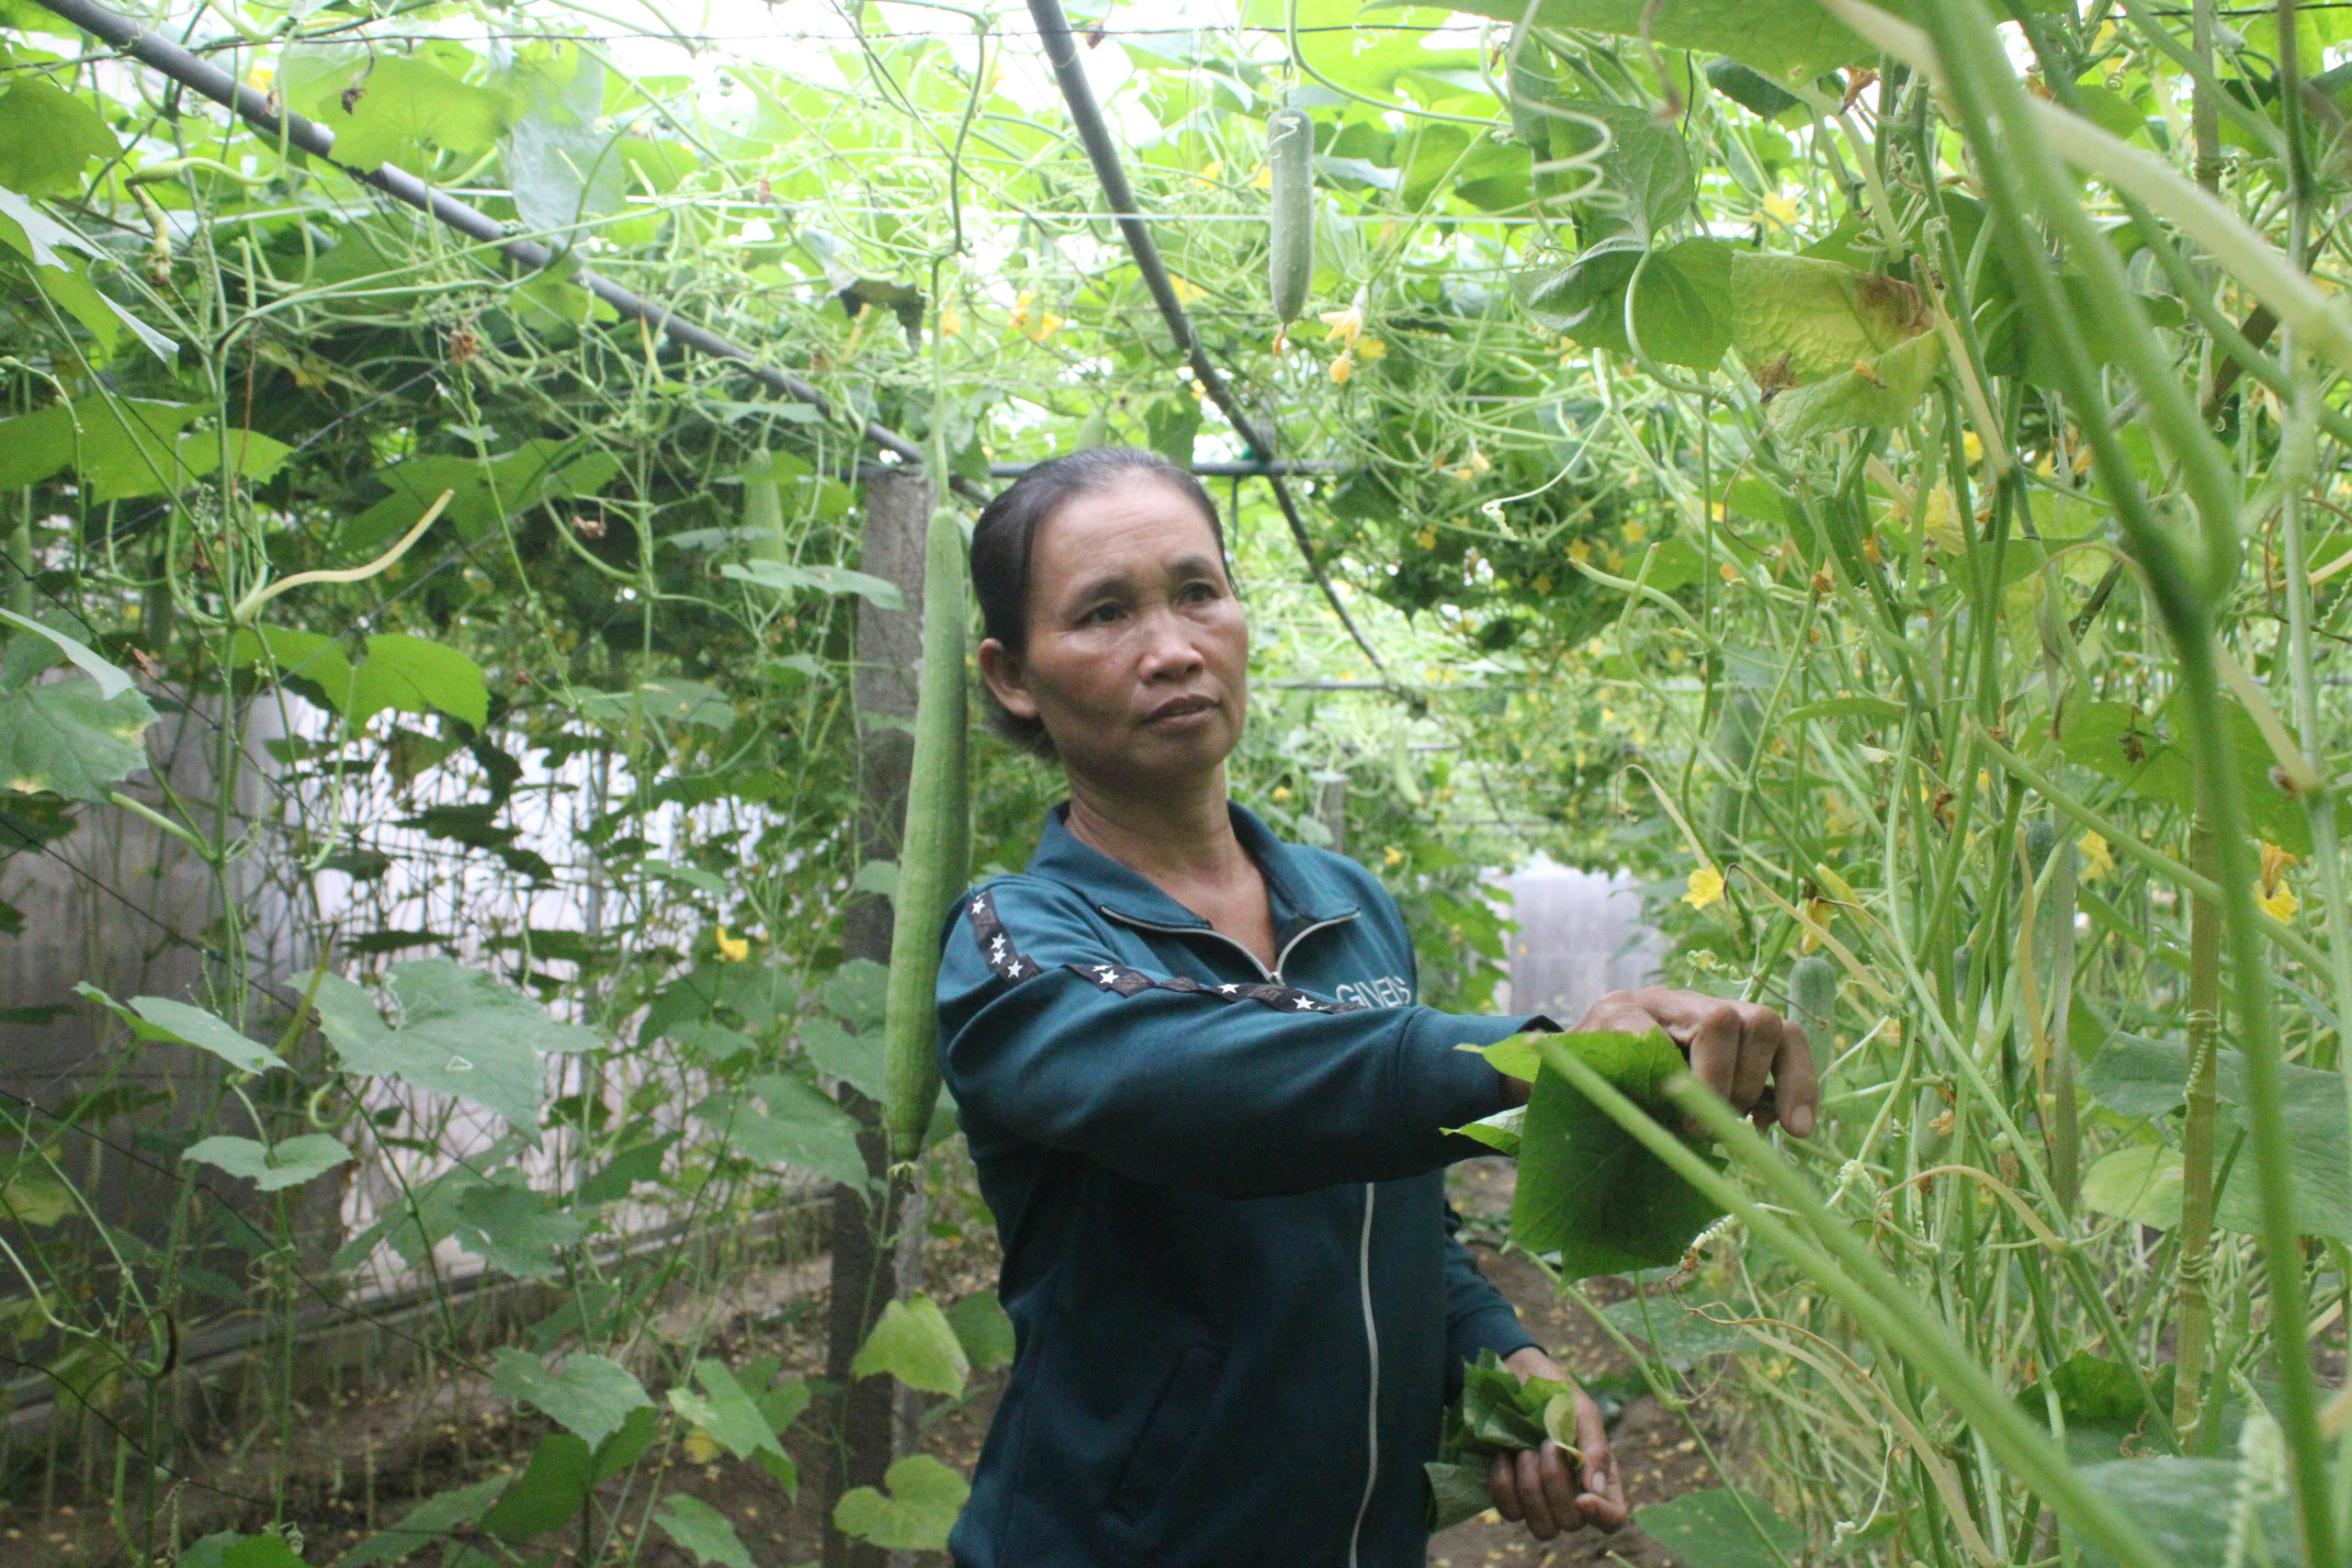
47 136
563 166
726 1411
701 1531
193 1026
272 1168
590 1396
459 1031
64 736
1791 40
548 1493
855 1059
924 1498
778 574
126 447
2185 1507
1682 303
2151 758
783 1120
985 1330
1588 1190
426 1525
407 110
408 674
671 699
484 493
1708 1528
1799 320
912 1342
1645 175
513 1226
1879 392
308 657
2136 1077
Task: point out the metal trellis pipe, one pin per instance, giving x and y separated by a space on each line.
1085 115
201 76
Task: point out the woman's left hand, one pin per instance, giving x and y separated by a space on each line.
1536 1485
1747 1053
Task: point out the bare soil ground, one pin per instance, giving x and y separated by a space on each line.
361 1463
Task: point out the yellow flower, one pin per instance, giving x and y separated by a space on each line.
1819 911
1392 855
1214 172
1972 446
2278 899
1263 179
1706 887
1579 550
2098 860
1048 325
260 77
1282 793
1343 367
701 1447
1370 348
1187 292
732 949
951 320
1634 533
1347 325
1426 538
1781 211
1942 522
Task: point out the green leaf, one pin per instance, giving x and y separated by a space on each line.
1680 1333
724 1411
1585 300
310 657
512 1227
924 1499
2148 757
592 1396
1457 1492
257 1551
408 674
547 1494
194 1026
857 993
701 1531
125 446
2141 1182
1798 319
1707 1528
61 736
406 111
789 579
984 1329
1503 1131
671 699
2184 1508
1647 168
47 136
855 1059
272 1169
782 1121
459 1032
2100 1401
426 1525
1587 1189
30 1197
1517 1058
484 494
1880 395
1682 304
112 679
912 1342
561 166
1789 40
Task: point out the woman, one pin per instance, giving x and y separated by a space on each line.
1207 1112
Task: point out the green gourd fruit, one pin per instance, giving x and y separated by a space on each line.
1813 994
1290 164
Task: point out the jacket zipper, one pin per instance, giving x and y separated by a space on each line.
1273 976
1363 1246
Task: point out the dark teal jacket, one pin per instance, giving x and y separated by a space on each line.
1239 1306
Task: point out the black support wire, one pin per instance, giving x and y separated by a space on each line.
198 75
1086 114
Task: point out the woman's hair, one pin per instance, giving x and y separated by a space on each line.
1004 543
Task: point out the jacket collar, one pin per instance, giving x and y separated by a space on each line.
1299 897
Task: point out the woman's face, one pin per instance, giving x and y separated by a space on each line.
1138 652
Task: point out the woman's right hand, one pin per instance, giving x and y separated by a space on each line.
1757 1061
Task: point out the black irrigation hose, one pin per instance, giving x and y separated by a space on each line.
1086 114
184 67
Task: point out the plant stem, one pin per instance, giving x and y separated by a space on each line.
2196 1234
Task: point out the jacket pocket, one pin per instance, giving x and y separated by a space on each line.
1169 1434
